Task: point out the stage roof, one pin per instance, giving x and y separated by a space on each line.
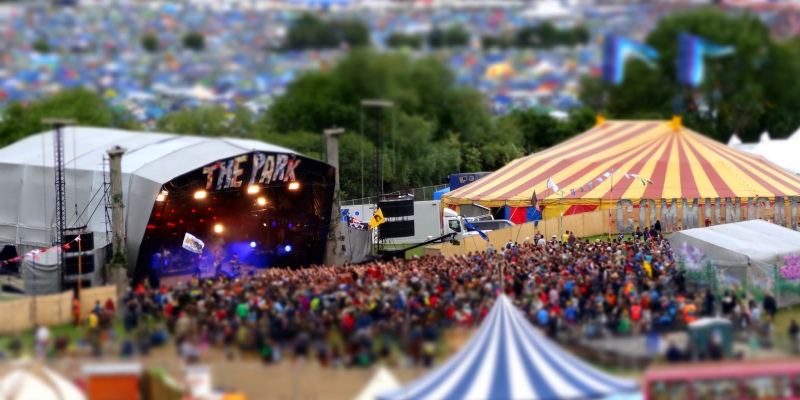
152 159
682 164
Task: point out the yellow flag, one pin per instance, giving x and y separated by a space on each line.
647 268
377 219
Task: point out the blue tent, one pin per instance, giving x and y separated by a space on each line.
438 194
508 359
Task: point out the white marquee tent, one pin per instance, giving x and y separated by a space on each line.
782 152
152 159
743 250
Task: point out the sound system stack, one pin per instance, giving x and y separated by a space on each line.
396 213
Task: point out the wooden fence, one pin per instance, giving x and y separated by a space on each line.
55 309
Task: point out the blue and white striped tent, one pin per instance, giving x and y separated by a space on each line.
508 359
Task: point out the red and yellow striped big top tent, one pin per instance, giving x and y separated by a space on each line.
633 161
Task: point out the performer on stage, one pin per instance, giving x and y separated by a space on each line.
199 265
236 265
217 263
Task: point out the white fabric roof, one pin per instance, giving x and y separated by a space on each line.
382 381
152 159
732 246
782 152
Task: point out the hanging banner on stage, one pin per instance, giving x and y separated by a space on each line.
193 244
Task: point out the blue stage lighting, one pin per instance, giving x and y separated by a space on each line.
288 248
253 244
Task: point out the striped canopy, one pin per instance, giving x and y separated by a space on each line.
508 359
680 163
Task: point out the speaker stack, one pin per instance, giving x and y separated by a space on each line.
396 213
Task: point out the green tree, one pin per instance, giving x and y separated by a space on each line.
747 92
455 36
194 41
399 40
150 43
310 32
42 46
209 121
85 107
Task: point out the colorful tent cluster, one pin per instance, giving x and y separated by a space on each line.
590 171
508 359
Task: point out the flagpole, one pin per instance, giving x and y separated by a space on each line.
610 199
561 218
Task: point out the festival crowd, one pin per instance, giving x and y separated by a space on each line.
358 314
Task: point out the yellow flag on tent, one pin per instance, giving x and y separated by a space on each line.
377 219
647 268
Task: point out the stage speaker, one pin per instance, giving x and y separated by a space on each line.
396 229
86 252
397 208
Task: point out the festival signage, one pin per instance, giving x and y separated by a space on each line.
791 269
263 169
691 213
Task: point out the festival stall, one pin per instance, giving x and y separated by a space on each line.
754 256
642 172
508 359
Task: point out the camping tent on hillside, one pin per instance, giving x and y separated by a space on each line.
508 359
750 251
630 165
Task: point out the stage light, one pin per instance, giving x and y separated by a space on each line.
252 189
288 248
274 224
200 194
294 186
218 228
261 201
290 226
253 244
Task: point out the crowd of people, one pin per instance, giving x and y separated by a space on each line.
358 314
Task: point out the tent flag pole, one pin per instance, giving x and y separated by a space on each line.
610 197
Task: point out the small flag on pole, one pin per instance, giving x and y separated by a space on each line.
552 185
535 202
600 180
590 185
573 191
581 189
626 176
377 219
607 174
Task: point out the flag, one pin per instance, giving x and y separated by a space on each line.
607 174
626 176
590 185
552 185
600 180
535 202
617 51
648 181
581 189
193 244
573 191
691 53
647 268
377 219
472 228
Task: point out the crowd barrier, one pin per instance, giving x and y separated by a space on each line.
55 309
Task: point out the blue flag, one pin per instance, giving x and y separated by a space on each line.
472 228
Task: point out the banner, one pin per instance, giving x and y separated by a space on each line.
377 219
193 244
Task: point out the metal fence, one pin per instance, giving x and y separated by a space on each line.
420 194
